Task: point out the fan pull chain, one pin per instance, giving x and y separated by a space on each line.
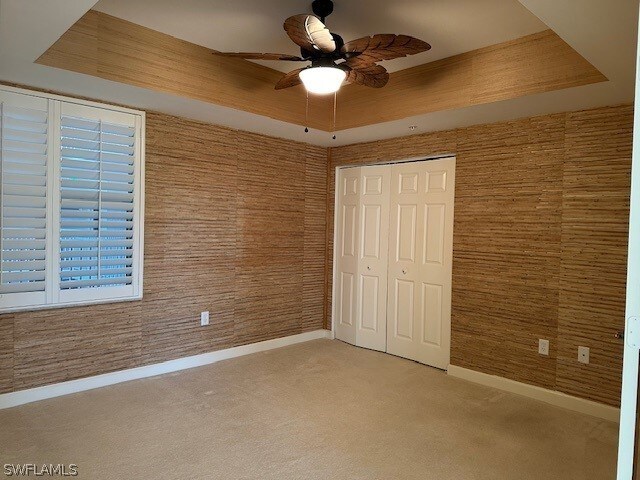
335 102
306 115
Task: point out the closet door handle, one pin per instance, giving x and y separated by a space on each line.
404 271
368 267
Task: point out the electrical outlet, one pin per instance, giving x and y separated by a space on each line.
543 346
583 354
204 319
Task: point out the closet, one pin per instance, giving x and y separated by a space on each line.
392 258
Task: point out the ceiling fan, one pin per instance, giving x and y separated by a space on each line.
332 60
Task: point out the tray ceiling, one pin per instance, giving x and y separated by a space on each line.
604 33
451 27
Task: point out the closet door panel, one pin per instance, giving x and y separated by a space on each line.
346 251
373 257
437 240
403 297
421 246
403 270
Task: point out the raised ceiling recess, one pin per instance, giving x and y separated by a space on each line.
162 55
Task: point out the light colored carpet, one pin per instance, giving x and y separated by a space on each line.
318 410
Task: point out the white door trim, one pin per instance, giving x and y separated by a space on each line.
629 395
393 162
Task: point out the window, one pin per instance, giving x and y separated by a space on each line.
71 201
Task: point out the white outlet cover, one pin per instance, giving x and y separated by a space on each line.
583 354
543 346
204 318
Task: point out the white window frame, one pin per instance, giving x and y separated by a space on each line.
55 297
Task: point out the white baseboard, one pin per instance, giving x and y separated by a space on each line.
552 397
21 397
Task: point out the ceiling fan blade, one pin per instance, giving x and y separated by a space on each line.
384 46
367 74
291 79
310 33
260 56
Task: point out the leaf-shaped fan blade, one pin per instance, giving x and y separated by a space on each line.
384 46
310 33
291 79
260 56
367 74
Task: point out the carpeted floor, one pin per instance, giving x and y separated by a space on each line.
318 410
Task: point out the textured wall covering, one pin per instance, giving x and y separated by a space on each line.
235 224
595 206
242 225
540 238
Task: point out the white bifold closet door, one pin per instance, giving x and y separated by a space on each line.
346 252
420 257
394 244
362 246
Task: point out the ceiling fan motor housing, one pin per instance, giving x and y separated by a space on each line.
322 8
337 54
322 62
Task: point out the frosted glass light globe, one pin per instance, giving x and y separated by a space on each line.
322 80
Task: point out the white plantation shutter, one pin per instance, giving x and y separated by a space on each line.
71 201
24 163
98 187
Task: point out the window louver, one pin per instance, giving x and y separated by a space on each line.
71 201
97 181
23 198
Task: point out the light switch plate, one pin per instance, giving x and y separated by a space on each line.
204 319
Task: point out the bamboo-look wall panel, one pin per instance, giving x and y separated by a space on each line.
269 264
595 208
234 224
114 49
315 227
191 177
507 247
539 243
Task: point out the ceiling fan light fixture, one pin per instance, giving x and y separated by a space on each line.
323 48
322 80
